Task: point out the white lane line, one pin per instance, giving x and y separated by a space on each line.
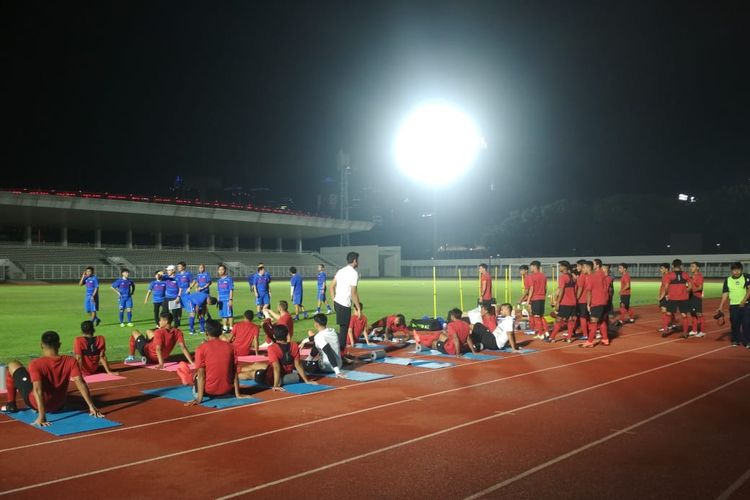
734 486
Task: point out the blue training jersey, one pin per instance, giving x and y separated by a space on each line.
251 280
184 279
261 282
158 289
126 287
225 285
173 289
296 283
204 280
91 283
197 299
322 280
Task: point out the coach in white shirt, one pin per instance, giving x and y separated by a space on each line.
345 296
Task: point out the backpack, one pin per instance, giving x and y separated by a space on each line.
425 325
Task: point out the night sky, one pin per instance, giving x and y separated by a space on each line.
574 101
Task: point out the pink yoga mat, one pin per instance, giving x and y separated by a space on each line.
101 377
305 352
252 359
168 367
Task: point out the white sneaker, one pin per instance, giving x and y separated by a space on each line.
700 335
691 333
122 325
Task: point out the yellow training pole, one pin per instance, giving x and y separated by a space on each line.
507 284
461 288
494 284
510 285
434 293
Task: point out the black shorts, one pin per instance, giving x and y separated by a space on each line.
537 308
440 346
682 305
22 381
487 303
696 304
583 310
625 301
478 332
663 303
343 316
566 311
140 343
608 308
598 312
489 341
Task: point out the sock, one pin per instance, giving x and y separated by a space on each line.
556 329
571 328
623 313
701 323
665 321
592 331
695 323
630 313
319 310
672 319
603 328
121 316
584 327
685 324
132 345
192 323
130 317
10 387
202 322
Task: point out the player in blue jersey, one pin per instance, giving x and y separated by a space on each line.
184 280
322 288
225 285
125 288
202 281
296 292
197 304
262 289
91 300
158 289
173 294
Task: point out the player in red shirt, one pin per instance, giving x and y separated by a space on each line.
676 289
244 335
662 298
485 285
564 302
44 386
537 296
215 367
358 327
597 296
696 300
282 317
283 366
489 319
610 291
523 271
156 345
90 350
625 291
393 325
457 333
583 309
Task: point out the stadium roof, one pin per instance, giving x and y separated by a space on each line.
85 211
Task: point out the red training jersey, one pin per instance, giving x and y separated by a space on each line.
276 355
219 360
358 325
390 323
90 351
287 320
490 321
525 282
581 284
167 339
676 285
566 283
54 374
462 330
486 284
696 282
596 283
244 334
625 283
539 282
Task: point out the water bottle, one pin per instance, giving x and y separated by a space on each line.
3 369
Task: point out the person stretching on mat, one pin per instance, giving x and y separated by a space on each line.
500 336
90 350
324 356
283 366
215 373
455 339
244 335
44 386
358 327
156 345
393 325
282 317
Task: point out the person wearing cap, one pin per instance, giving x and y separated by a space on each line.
736 291
172 294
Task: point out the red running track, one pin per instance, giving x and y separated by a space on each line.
643 418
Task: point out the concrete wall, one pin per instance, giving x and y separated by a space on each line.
369 263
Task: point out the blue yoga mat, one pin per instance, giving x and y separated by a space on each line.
390 360
432 364
358 376
468 355
184 393
300 388
65 422
370 346
523 350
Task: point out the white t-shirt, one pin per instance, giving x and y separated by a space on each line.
475 315
503 330
330 337
346 278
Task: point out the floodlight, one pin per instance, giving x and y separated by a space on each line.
437 143
682 197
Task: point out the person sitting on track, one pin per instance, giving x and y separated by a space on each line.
564 302
244 335
156 345
454 340
393 325
44 386
500 336
283 365
282 317
358 327
215 373
90 350
325 355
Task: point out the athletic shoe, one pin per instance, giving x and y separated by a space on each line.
203 333
631 321
192 332
185 374
691 333
97 322
618 323
144 360
586 344
296 318
664 335
747 346
329 312
130 359
305 316
549 340
605 342
260 316
122 325
9 408
735 344
598 334
130 323
661 330
700 335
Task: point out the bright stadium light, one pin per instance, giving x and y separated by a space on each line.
437 143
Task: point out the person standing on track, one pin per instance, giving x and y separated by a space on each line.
597 295
625 292
345 295
581 301
736 291
676 289
537 297
523 271
564 302
696 301
662 299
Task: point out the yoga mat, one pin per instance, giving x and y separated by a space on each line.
170 366
101 377
523 350
479 356
431 364
252 358
390 360
305 352
370 346
65 422
185 394
358 376
300 388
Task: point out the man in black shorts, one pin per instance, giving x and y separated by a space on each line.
676 289
564 302
663 270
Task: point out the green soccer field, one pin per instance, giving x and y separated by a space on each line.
26 311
